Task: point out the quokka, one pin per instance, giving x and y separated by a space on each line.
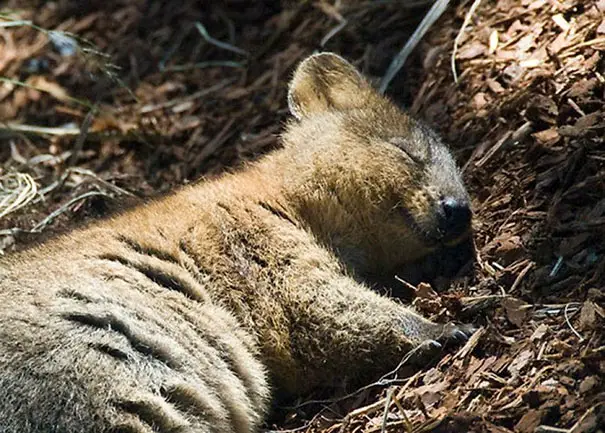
184 314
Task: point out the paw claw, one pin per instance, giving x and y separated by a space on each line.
458 332
460 335
468 329
434 344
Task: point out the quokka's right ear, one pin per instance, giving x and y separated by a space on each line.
326 81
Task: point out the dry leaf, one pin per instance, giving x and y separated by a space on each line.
540 332
548 137
431 394
526 43
589 315
514 311
42 83
508 248
590 120
561 22
520 362
425 291
480 100
558 44
530 63
582 87
588 384
529 422
492 428
107 121
471 51
537 4
493 41
494 86
544 109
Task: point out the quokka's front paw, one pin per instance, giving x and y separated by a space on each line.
432 345
450 332
456 332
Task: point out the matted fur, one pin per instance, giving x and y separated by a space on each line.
180 315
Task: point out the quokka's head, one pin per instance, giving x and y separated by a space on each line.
379 187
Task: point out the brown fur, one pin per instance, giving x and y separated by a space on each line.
176 316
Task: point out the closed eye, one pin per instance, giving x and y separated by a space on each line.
402 145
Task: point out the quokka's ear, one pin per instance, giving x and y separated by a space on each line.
326 81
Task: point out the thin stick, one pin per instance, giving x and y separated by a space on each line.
40 130
79 144
218 86
223 45
584 44
385 415
333 32
399 60
110 186
15 23
383 381
407 423
49 219
203 65
467 20
520 277
373 407
569 323
29 86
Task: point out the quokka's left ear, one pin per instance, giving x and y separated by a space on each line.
327 81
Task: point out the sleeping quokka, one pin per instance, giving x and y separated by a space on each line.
185 314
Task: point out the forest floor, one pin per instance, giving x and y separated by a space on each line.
138 101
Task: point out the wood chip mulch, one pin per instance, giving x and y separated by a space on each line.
140 96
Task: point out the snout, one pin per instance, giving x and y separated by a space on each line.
455 218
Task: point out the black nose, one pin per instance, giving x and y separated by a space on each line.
457 217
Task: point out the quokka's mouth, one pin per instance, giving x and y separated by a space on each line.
437 237
458 239
430 239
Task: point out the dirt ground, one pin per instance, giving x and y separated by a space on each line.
138 101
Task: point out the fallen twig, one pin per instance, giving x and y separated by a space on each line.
467 20
223 45
49 219
399 60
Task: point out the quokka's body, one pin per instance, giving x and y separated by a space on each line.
182 314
